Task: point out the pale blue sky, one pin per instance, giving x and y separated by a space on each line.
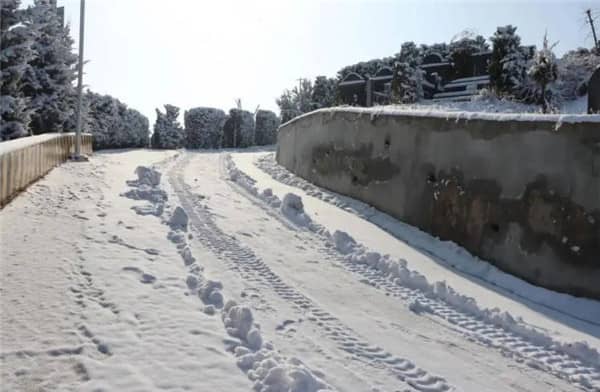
207 53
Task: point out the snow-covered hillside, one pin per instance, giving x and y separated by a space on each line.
216 271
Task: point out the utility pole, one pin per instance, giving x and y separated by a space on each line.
80 81
591 21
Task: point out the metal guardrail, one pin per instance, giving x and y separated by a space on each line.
23 161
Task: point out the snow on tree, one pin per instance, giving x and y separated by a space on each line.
297 101
168 133
544 71
509 61
238 130
574 71
406 83
410 54
266 127
288 107
48 82
15 54
462 46
112 123
323 92
204 127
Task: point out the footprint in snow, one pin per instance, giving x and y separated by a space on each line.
142 276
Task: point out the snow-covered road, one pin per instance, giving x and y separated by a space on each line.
227 273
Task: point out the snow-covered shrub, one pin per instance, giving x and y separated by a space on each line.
112 123
238 130
48 81
407 83
204 127
543 71
15 54
574 71
168 133
266 127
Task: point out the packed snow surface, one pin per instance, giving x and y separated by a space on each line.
157 270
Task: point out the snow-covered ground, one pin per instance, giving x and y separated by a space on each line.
216 271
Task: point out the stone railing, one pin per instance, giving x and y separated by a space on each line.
22 161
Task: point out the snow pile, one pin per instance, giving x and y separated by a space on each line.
448 252
249 184
148 176
272 372
269 370
179 219
398 273
210 293
293 209
204 127
146 187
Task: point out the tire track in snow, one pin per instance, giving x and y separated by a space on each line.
244 261
517 346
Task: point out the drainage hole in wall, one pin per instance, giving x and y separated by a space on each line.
495 227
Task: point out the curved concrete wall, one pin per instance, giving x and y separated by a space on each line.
522 192
22 161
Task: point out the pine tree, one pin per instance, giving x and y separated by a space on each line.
288 107
508 63
15 54
168 133
544 71
323 92
461 51
407 83
297 101
48 84
410 54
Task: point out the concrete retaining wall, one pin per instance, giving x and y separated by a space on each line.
522 192
22 161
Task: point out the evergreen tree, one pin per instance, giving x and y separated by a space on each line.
168 133
15 54
508 64
406 84
410 54
48 84
288 107
297 101
323 93
461 51
544 71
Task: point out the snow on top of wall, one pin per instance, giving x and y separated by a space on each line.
17 144
467 111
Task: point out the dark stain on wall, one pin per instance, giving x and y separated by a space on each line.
358 164
469 211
